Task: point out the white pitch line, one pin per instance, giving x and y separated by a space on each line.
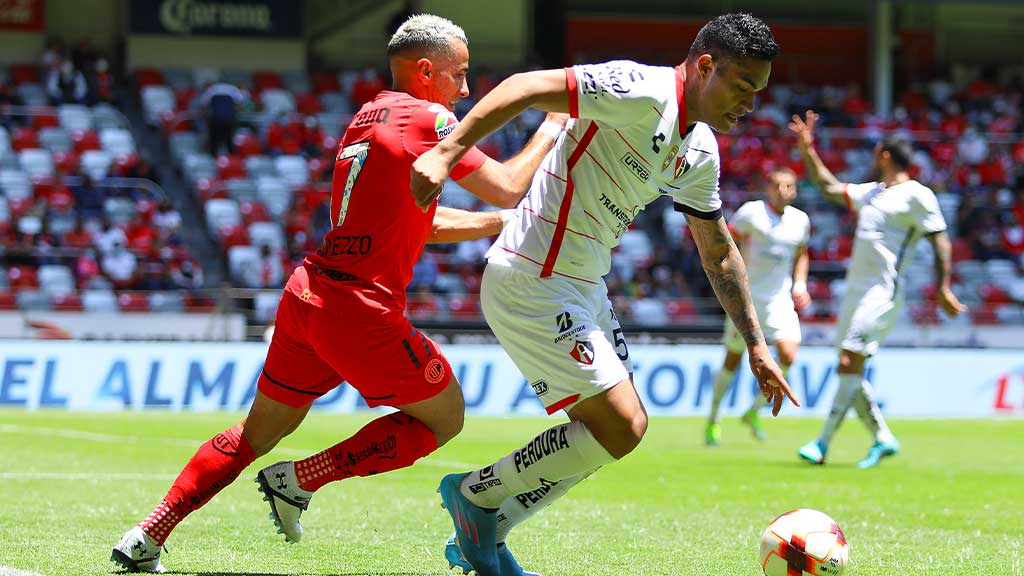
5 571
83 476
118 438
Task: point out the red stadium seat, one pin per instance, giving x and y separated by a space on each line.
66 162
326 82
20 277
23 73
24 138
69 303
247 144
253 212
231 167
7 301
86 140
265 79
45 119
133 302
148 77
308 103
198 304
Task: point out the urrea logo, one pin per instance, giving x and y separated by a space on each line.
183 16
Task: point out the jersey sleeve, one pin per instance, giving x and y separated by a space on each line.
695 191
927 211
857 195
741 219
428 126
617 93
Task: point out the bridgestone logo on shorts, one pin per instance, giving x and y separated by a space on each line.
434 371
545 444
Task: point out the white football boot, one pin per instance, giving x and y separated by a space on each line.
137 552
287 500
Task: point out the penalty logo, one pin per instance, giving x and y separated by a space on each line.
583 352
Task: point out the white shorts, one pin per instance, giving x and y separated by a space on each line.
563 335
866 318
779 322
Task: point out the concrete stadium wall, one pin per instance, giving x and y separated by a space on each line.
498 33
672 380
221 53
21 47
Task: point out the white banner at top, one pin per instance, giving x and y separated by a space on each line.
671 380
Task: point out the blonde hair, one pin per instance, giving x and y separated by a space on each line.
426 33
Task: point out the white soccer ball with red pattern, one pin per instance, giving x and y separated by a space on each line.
803 543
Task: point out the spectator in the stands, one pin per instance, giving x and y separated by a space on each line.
66 85
87 267
101 82
88 197
78 237
220 103
187 274
120 265
312 138
109 236
285 136
167 219
972 147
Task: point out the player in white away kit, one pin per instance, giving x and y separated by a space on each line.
640 132
773 238
893 213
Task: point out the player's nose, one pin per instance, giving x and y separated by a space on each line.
464 89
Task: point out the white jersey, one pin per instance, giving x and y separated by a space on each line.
772 240
890 221
629 145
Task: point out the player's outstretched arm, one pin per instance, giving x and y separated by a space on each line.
824 180
801 265
454 225
503 184
728 276
543 89
943 262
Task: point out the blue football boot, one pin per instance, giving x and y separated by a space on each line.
475 527
878 451
814 452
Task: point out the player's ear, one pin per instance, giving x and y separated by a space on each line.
425 67
705 66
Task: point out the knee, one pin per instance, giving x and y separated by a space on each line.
631 431
448 428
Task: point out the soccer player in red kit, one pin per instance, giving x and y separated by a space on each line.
341 316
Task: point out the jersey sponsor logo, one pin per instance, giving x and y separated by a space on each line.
528 499
597 80
434 371
545 444
371 116
625 217
583 352
565 327
540 387
487 480
334 246
444 124
669 157
636 168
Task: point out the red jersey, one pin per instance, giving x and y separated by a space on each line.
377 231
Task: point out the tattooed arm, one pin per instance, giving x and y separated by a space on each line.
728 276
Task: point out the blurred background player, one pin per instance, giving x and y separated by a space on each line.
640 132
772 236
892 215
341 316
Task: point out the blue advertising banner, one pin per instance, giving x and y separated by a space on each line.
672 380
261 18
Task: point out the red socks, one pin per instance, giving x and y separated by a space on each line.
215 465
388 443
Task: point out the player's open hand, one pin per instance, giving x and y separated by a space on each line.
801 299
769 377
951 305
804 129
428 174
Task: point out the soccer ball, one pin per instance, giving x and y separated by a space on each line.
803 543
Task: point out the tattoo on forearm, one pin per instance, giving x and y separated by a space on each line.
728 277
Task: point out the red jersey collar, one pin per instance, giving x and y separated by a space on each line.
681 99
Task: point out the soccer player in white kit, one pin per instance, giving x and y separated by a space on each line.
772 236
640 132
893 213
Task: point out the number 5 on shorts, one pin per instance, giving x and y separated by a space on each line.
357 153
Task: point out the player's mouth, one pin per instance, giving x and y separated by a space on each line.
733 118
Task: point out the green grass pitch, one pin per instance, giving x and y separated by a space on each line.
951 503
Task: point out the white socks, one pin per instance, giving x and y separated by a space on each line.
556 454
870 414
721 386
849 387
516 509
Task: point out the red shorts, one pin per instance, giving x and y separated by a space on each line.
330 333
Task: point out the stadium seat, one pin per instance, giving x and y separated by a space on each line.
23 139
294 170
649 311
240 258
85 141
266 234
147 77
221 214
99 300
117 141
15 184
177 78
34 300
253 212
120 210
8 300
265 306
132 302
23 73
336 102
5 142
166 302
22 277
157 101
36 162
44 119
32 94
182 144
107 116
68 303
199 165
230 167
257 166
75 117
275 194
275 101
56 140
96 163
56 281
241 189
296 81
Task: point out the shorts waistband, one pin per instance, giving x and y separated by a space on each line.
336 275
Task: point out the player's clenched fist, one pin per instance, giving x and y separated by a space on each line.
428 174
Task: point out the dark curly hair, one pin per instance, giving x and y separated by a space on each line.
737 35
